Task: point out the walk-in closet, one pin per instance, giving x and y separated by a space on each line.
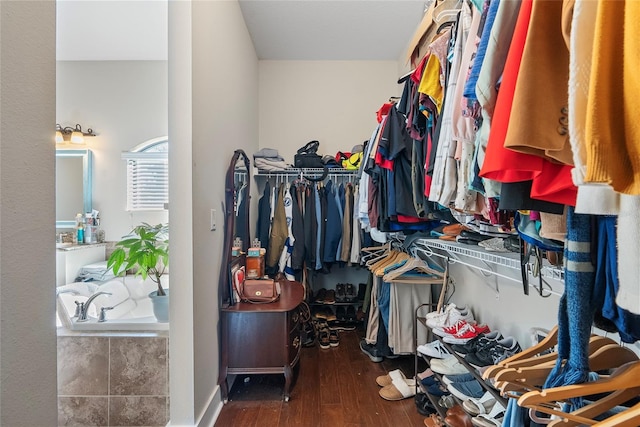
444 238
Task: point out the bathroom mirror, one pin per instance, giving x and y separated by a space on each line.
73 185
236 221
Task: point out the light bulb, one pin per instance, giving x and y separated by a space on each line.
77 138
59 137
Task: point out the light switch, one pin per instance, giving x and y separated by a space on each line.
213 220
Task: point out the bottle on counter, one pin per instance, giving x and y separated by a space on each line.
80 228
255 261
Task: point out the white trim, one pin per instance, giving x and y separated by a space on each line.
211 412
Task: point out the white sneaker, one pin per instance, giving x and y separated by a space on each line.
447 308
450 318
448 366
433 349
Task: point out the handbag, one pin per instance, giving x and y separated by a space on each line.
308 157
260 291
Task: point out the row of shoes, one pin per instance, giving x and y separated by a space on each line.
479 345
344 292
347 313
478 407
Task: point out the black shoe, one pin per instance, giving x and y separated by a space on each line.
350 292
341 295
350 314
320 296
424 405
341 313
371 351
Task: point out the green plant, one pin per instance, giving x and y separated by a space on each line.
146 249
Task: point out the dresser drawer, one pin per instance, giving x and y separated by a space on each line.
295 343
293 319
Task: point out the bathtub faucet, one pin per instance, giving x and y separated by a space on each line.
83 307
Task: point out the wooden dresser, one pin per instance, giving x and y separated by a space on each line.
262 338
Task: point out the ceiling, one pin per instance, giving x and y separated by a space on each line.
94 30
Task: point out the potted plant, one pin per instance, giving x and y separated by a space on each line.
146 251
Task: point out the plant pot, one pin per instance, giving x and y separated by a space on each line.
160 306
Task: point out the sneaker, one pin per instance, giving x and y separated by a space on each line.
371 351
450 318
448 366
466 390
466 333
433 349
449 379
323 338
330 297
445 309
478 343
320 296
334 339
341 313
491 355
340 293
450 330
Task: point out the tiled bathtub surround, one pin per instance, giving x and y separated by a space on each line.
113 380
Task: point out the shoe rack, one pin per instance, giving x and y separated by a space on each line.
422 321
342 304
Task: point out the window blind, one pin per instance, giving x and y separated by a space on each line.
147 183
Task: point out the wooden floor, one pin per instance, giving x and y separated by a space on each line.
335 387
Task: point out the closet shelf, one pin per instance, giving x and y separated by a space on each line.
503 259
294 172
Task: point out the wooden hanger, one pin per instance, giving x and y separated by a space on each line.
527 372
603 405
399 257
626 376
414 264
628 418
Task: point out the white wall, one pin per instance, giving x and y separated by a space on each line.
213 81
27 208
334 102
125 103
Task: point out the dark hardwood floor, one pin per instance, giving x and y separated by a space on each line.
335 387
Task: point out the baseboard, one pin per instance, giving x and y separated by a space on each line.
210 413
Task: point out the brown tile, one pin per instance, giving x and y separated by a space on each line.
137 411
83 366
138 366
82 411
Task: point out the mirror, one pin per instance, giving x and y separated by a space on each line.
236 221
73 186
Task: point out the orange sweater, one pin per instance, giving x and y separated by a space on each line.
613 123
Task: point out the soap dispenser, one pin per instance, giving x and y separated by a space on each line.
80 228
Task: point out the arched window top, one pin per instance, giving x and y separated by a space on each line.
148 175
155 145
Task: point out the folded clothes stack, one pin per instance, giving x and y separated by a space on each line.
268 160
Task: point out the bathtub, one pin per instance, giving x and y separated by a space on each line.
132 309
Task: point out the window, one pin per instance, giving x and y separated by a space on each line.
148 175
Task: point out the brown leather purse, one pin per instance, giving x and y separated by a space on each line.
260 291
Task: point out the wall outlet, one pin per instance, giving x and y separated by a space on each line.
213 220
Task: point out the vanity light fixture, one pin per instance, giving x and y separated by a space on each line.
74 135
